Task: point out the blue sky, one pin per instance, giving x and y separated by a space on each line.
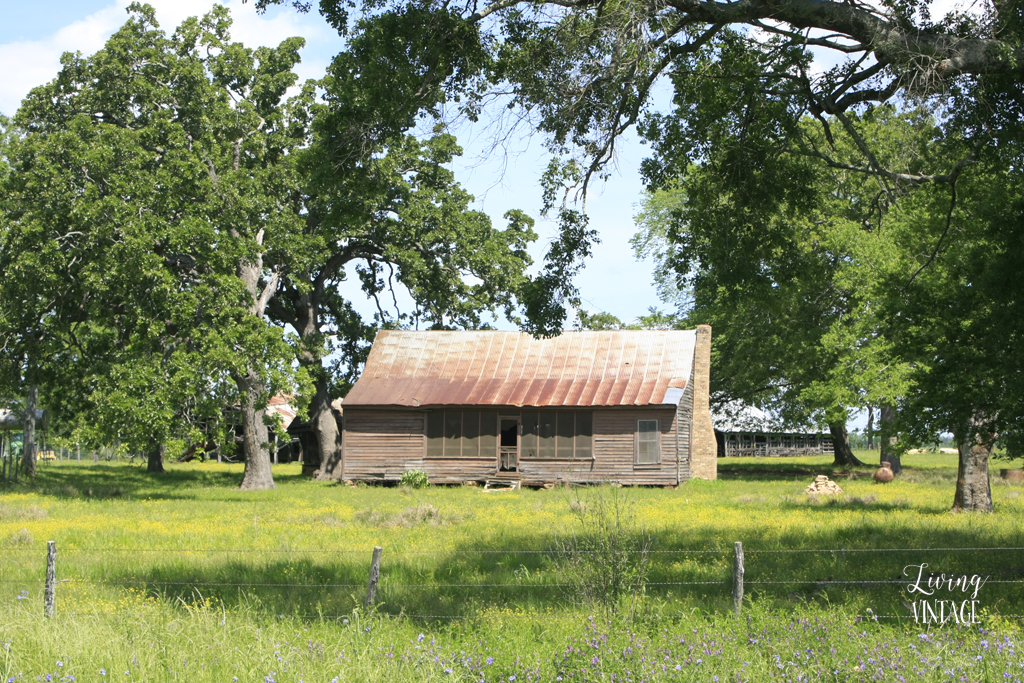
33 36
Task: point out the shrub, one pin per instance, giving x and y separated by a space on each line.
12 512
421 514
21 537
605 557
407 518
415 479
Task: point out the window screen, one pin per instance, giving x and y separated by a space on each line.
470 433
452 433
530 434
462 434
647 442
548 424
545 434
566 427
557 434
584 435
435 434
489 434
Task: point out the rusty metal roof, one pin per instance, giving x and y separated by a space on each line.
605 368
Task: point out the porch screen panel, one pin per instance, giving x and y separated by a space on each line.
584 434
531 434
489 434
566 430
470 433
546 432
452 433
435 434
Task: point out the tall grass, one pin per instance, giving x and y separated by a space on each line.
202 642
138 553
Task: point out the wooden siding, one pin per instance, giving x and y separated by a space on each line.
615 452
684 431
380 444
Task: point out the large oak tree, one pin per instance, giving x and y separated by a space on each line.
786 257
397 221
144 193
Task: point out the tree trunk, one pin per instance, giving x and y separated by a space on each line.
886 418
328 435
156 459
258 475
871 428
844 456
305 312
973 488
29 435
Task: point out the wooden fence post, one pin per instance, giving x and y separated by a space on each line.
737 578
51 579
371 588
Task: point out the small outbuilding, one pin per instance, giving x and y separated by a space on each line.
746 431
602 406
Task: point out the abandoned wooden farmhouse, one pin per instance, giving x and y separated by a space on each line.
616 406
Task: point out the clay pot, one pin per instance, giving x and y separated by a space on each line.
883 475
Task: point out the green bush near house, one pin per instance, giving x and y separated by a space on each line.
415 479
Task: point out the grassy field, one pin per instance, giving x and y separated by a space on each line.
182 577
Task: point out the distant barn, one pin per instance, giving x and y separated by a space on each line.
616 406
746 431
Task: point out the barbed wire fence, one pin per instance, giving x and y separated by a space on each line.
737 581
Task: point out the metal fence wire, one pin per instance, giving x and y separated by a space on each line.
374 583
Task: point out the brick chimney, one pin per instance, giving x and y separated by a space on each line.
703 450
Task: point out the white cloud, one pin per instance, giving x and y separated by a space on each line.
27 64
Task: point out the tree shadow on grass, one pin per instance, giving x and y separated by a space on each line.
868 502
787 472
128 481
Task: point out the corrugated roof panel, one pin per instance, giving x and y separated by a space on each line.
575 393
589 392
511 368
479 366
505 392
617 395
559 392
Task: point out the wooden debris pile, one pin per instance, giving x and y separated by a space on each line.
822 486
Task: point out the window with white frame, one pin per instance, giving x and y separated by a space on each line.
648 451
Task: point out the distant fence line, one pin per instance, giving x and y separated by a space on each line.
738 580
